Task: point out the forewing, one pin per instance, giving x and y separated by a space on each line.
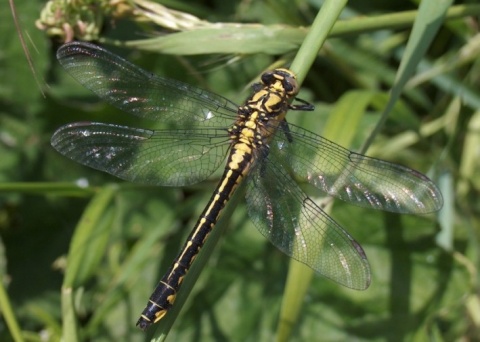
352 177
141 93
284 214
166 157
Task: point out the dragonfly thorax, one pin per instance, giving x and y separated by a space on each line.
265 108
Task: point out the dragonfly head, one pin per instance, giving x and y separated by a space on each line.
282 80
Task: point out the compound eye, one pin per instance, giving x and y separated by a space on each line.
288 86
268 78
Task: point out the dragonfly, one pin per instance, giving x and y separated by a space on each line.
200 130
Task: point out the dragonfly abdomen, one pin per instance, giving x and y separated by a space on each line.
165 293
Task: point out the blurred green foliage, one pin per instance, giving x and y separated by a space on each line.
425 269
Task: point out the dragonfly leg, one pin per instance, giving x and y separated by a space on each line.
304 106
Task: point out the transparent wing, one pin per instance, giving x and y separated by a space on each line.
352 177
284 214
141 93
165 157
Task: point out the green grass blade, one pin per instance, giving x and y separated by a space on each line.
324 21
431 14
8 314
299 275
249 39
89 239
86 251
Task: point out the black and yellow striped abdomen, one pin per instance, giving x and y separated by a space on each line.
165 293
